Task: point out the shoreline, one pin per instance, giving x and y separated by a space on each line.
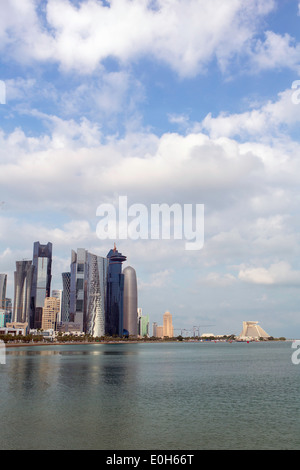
78 343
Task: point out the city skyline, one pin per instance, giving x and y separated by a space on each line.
182 102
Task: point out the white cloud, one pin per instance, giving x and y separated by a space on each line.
279 273
276 52
261 123
185 34
157 280
217 279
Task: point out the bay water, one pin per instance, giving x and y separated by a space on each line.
150 396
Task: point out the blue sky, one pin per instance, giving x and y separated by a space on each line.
164 101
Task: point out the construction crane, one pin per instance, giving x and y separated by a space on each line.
198 327
191 332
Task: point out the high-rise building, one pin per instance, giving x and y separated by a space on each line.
115 293
23 277
41 283
154 329
88 284
96 295
65 307
50 313
78 271
3 282
130 310
167 325
143 324
57 293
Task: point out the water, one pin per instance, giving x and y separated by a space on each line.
166 396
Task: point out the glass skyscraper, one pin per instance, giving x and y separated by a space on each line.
88 291
130 303
3 281
23 277
65 307
41 283
115 292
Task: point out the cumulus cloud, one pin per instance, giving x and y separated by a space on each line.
261 122
280 273
185 34
276 51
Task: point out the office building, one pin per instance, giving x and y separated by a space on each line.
41 282
143 324
88 283
3 282
130 310
57 293
65 303
96 295
167 325
23 277
115 293
50 313
5 317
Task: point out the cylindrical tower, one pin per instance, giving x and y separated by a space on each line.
130 319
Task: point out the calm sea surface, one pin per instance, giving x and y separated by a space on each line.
167 396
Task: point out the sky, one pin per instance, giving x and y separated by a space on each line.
164 102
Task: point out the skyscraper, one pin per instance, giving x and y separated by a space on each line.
143 324
3 282
130 311
57 294
41 283
50 313
96 295
88 291
23 277
167 325
65 307
115 293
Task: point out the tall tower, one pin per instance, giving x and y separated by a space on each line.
3 282
23 277
57 294
167 325
78 272
88 284
96 295
130 309
65 307
115 292
41 283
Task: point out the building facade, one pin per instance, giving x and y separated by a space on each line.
50 314
3 282
88 284
115 294
130 303
168 329
143 324
41 282
65 302
23 277
57 293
